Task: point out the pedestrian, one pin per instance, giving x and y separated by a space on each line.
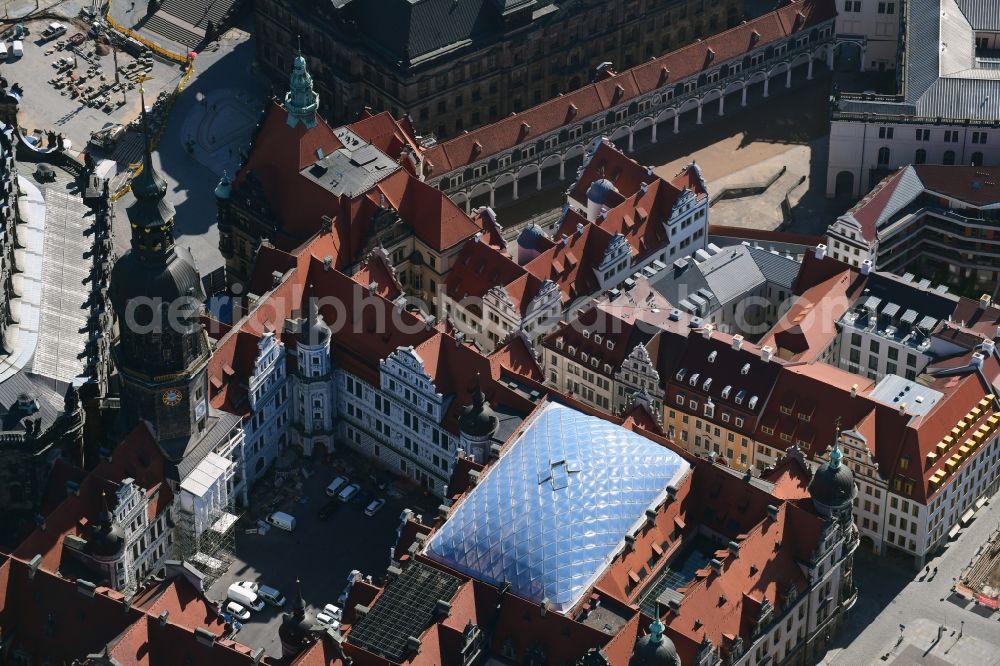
132 7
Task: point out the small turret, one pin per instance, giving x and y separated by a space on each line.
832 487
301 101
655 649
477 425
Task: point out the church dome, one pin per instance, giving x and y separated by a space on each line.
833 483
599 191
655 649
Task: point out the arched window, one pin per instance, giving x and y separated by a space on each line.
920 157
977 159
883 156
949 157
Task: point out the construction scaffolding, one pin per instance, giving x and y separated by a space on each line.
213 549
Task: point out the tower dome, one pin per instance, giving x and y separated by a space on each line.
301 101
105 539
655 649
315 332
225 187
832 487
599 191
477 424
299 627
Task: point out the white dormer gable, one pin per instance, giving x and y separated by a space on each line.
684 205
617 249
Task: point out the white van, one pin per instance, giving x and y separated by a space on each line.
18 49
244 597
282 520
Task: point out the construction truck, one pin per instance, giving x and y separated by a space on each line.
107 137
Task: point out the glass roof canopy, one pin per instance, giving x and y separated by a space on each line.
550 513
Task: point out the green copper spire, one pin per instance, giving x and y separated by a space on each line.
656 630
301 101
836 455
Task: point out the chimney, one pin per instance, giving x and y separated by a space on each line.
413 644
327 262
866 267
204 636
163 617
977 360
766 353
988 347
257 655
372 288
902 409
459 338
33 565
478 237
821 251
604 213
984 301
494 451
643 187
854 390
674 605
579 228
360 611
707 331
275 278
543 607
716 565
442 608
734 548
650 516
85 587
474 477
671 492
629 542
772 512
737 342
443 511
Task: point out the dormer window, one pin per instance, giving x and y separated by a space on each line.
745 370
712 357
740 395
707 385
694 379
594 361
559 343
572 350
597 339
726 390
681 374
586 334
611 345
753 402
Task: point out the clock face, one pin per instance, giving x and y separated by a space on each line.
172 397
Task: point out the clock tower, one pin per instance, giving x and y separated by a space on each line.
162 350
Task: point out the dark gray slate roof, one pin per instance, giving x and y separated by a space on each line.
944 84
983 15
408 29
49 400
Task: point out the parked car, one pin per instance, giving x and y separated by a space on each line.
335 485
271 595
374 506
334 611
328 509
348 493
282 520
53 30
244 597
331 622
249 585
237 611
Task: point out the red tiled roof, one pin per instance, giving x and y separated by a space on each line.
137 457
570 263
973 185
386 133
435 218
608 162
591 99
478 268
868 210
